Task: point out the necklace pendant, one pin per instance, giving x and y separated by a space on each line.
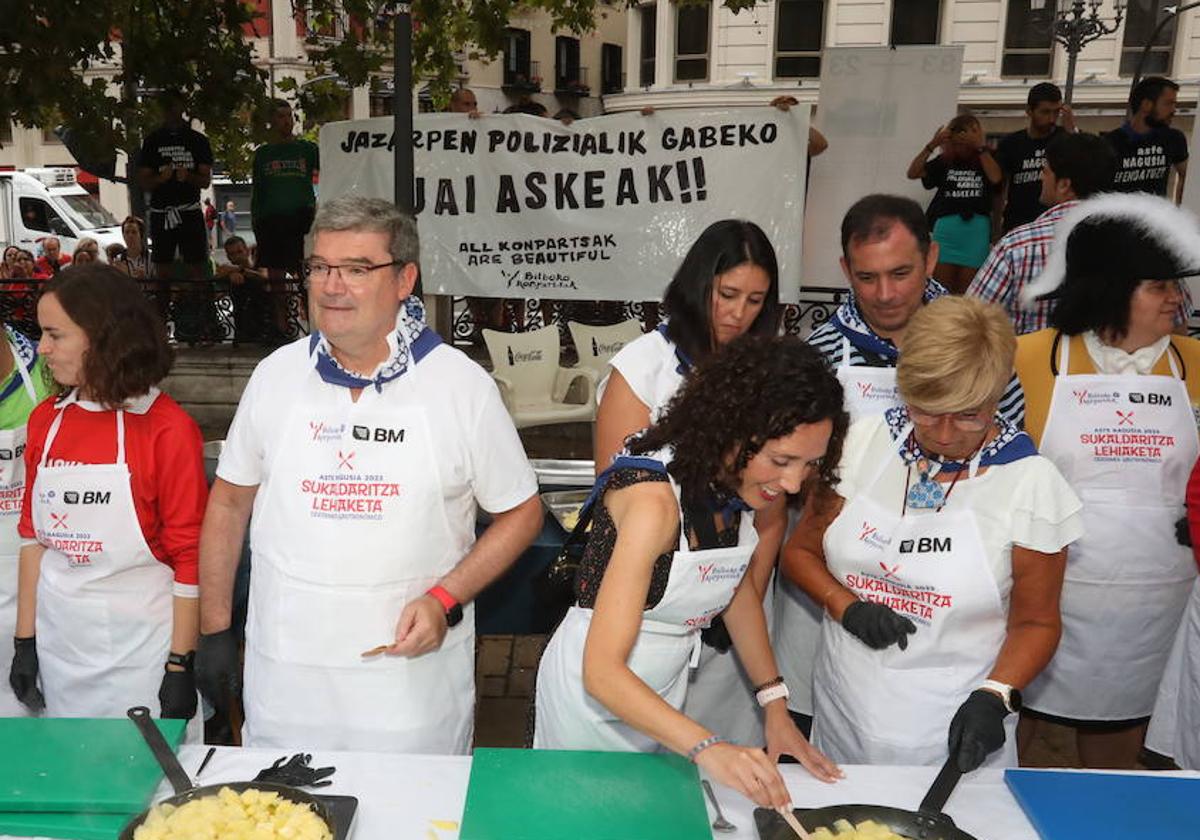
926 494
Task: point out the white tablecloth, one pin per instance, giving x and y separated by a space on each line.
421 797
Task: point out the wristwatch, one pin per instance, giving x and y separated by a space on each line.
186 661
454 611
1011 696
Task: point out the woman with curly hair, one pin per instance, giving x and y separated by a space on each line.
107 612
672 536
726 286
940 562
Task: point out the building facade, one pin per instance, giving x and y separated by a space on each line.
706 55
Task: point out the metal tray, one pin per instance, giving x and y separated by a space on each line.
564 506
552 472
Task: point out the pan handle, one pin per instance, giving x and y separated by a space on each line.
154 739
942 787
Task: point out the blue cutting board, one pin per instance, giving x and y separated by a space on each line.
1107 806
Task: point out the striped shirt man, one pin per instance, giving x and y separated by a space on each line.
847 327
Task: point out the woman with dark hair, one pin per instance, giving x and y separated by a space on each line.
965 176
8 265
111 515
136 260
1111 397
669 550
726 286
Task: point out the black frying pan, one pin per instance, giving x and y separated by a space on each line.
926 823
185 792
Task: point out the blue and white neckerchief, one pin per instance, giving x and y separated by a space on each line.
685 364
848 320
718 499
411 342
1010 444
24 353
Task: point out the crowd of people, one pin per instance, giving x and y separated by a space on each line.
938 523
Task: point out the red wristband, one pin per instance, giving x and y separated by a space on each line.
447 600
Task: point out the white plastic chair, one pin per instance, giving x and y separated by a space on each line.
536 390
596 345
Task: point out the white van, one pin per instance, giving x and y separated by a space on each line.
36 203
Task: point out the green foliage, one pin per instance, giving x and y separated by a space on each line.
95 65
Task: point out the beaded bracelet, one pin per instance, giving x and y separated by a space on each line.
768 684
710 741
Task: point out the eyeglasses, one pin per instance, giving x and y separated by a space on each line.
966 421
349 272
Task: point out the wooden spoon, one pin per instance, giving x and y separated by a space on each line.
793 823
375 651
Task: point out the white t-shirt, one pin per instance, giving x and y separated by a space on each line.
480 456
650 366
1026 502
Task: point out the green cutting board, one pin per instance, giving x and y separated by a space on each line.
78 764
555 794
67 826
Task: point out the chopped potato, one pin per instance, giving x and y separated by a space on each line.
251 815
570 519
865 830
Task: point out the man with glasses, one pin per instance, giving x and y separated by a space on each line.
364 451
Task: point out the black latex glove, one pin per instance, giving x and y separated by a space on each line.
23 675
295 771
977 729
1183 534
218 668
876 625
177 695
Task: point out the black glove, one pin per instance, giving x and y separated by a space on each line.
1183 534
977 729
177 695
218 668
23 676
876 625
296 772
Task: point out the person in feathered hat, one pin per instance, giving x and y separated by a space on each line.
1111 395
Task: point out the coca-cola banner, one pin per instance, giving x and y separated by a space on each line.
604 209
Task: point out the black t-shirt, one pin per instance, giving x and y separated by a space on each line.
962 189
1021 157
179 147
1144 161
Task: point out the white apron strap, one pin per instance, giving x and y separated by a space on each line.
1172 362
845 352
1064 354
23 373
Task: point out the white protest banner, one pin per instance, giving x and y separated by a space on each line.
878 107
604 209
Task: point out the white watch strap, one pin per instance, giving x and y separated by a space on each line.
1003 689
772 693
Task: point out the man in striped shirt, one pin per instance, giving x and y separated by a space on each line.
1076 166
887 256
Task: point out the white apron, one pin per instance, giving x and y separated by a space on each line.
720 693
104 602
700 586
868 391
12 490
1175 727
1126 444
351 527
894 706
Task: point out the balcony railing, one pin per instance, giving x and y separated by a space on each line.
573 84
522 79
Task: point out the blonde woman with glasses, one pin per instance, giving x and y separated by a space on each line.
938 558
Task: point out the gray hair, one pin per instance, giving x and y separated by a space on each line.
353 212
